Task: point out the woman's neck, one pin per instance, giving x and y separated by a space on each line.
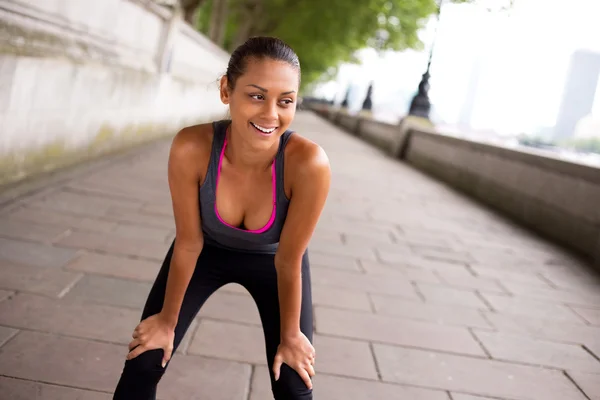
240 153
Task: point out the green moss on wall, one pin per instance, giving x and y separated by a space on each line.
108 139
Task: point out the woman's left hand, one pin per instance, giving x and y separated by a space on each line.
298 353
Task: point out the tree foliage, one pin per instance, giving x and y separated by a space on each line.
324 34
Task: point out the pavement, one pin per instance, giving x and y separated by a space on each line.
419 292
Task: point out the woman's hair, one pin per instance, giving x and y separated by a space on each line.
259 48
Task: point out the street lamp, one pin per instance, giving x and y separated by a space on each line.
420 105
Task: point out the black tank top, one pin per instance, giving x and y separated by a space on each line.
216 231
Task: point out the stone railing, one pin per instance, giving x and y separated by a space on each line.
81 78
558 199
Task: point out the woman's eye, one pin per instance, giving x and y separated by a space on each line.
257 96
288 101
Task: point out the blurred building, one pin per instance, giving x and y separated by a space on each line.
579 92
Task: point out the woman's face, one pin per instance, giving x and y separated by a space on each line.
263 102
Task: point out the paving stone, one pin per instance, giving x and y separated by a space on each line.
111 291
472 375
125 215
591 315
230 307
116 266
411 260
399 286
322 235
410 273
328 387
131 190
165 209
437 313
593 347
437 294
199 378
405 332
112 244
81 223
573 279
451 256
358 239
47 281
531 307
73 318
318 259
554 295
364 252
351 358
187 338
131 231
30 231
589 383
83 203
18 389
512 347
340 298
229 341
5 294
462 278
545 329
35 254
60 360
501 258
233 288
5 335
458 396
503 275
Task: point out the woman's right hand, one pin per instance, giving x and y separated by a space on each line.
152 333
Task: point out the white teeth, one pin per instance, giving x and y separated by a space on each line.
260 128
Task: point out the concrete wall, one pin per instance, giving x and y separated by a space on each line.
556 198
81 78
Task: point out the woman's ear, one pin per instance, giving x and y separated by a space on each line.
224 90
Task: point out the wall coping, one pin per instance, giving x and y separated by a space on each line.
589 173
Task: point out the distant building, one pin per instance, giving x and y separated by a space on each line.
579 92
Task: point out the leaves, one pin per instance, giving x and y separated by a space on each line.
325 34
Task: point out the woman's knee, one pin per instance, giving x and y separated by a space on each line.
290 386
146 367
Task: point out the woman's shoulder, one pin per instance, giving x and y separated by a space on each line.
192 145
305 157
194 139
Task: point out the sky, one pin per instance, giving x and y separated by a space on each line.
523 57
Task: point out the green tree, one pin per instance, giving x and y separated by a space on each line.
324 34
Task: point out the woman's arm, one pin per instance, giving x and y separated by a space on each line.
311 176
184 178
158 331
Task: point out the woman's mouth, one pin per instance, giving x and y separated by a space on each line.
264 130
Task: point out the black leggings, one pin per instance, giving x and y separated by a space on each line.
217 267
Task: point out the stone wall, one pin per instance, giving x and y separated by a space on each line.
556 198
82 78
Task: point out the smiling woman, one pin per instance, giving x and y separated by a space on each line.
247 194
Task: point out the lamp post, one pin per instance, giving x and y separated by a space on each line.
420 105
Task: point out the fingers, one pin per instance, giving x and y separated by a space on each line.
311 370
277 366
136 352
167 356
305 377
134 343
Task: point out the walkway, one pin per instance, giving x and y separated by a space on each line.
420 294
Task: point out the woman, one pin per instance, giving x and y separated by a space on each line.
247 194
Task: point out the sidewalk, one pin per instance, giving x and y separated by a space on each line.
419 293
